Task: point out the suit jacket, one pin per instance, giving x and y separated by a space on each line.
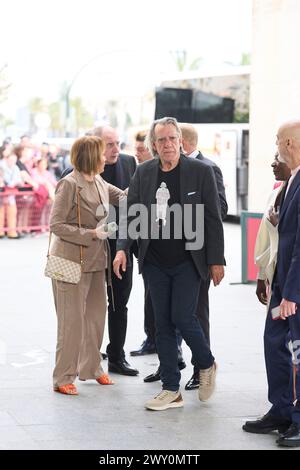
288 260
197 186
64 220
219 181
125 168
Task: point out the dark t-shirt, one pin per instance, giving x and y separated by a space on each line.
168 252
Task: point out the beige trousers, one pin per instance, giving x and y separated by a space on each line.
81 310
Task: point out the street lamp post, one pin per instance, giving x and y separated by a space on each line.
69 87
68 117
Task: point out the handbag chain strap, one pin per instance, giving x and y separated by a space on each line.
79 225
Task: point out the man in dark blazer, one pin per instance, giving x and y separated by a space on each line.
282 361
118 170
190 144
174 265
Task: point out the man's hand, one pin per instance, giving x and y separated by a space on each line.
261 291
119 262
287 309
216 273
273 216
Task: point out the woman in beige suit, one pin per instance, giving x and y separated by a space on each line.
81 308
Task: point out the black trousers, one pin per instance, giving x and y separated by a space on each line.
203 308
117 318
149 324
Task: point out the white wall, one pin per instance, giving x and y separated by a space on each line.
275 87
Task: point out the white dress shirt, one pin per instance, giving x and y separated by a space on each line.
293 174
193 154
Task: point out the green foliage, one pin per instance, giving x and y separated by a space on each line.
246 58
4 84
81 117
182 62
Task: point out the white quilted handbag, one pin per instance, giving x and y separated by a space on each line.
63 269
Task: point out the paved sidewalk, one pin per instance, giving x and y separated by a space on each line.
32 416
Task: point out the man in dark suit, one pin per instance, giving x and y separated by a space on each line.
118 170
282 361
148 345
189 144
177 200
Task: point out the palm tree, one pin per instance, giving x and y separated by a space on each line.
4 85
36 105
182 63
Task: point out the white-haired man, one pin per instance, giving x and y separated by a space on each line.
172 266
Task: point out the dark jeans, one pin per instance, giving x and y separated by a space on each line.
279 360
174 294
117 319
149 324
202 312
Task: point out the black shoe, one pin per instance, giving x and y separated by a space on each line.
291 438
121 367
148 347
156 375
153 377
267 424
193 383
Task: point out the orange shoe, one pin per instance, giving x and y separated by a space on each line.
104 380
68 389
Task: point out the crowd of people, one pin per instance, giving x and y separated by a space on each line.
150 197
118 172
28 177
177 270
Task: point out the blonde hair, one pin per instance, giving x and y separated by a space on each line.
87 154
189 133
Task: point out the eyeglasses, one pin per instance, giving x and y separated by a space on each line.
163 140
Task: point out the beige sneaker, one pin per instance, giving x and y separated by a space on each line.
164 400
207 382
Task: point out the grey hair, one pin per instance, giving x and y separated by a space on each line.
98 131
151 133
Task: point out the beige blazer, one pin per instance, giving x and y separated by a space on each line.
266 245
64 221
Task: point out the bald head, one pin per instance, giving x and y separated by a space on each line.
111 139
189 138
101 130
288 143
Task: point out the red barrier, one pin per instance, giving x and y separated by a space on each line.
24 210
